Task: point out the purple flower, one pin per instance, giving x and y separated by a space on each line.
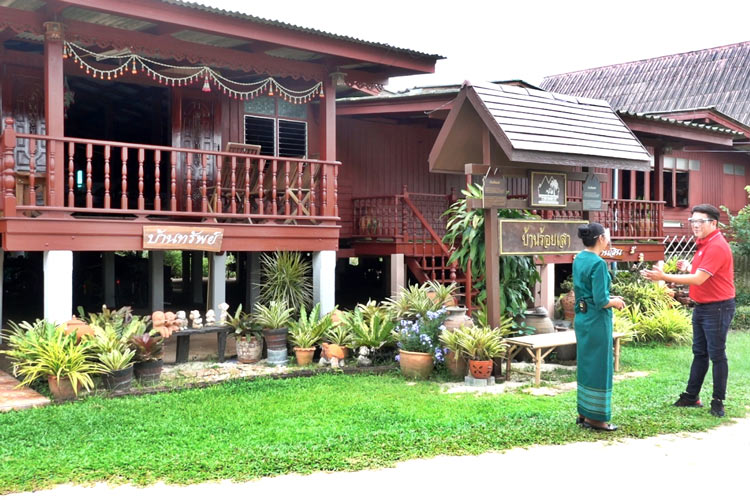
398 357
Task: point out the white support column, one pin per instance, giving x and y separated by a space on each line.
58 285
252 280
397 273
324 280
156 280
108 275
217 280
196 276
547 289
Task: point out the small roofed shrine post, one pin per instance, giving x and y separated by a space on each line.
54 109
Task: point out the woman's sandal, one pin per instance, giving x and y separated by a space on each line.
580 419
605 427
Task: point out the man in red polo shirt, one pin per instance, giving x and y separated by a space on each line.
711 280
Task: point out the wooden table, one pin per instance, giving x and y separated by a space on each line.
539 347
183 340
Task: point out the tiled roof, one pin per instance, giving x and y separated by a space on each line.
682 123
717 77
280 24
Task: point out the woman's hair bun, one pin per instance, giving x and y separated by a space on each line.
584 231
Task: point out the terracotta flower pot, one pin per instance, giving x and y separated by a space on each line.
62 388
304 355
456 364
250 350
480 369
337 351
415 364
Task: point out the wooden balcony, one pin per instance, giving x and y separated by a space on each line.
98 195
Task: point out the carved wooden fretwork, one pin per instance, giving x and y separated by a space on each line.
198 133
28 113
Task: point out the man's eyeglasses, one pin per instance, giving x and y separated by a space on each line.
698 222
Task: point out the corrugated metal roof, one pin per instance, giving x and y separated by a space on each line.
717 77
682 123
535 120
281 24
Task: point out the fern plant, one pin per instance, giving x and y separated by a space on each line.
373 331
309 328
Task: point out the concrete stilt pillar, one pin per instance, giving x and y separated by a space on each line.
108 272
324 280
58 285
397 272
252 280
196 277
156 279
546 297
217 280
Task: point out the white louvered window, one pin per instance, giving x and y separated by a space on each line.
277 136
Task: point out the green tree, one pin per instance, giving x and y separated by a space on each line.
739 228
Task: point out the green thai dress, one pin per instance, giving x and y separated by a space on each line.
593 328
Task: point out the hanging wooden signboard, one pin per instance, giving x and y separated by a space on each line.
182 238
547 189
592 193
539 237
494 192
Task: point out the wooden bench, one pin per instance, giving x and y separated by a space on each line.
183 340
539 346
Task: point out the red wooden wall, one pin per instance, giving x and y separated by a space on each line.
379 158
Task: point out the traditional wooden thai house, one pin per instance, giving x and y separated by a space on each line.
157 124
707 92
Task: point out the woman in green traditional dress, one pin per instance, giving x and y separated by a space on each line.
593 326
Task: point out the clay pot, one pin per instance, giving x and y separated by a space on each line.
457 318
62 388
80 327
324 351
415 364
456 364
568 302
480 369
148 372
539 320
337 351
118 380
276 339
249 349
304 355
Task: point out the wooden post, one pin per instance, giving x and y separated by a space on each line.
491 248
54 110
328 143
658 174
7 148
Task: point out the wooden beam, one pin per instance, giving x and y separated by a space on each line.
226 25
508 171
641 126
388 106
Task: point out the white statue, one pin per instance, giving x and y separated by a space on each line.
196 320
182 320
210 317
223 312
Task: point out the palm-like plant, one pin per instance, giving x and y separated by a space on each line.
440 293
309 329
340 335
286 277
372 331
44 349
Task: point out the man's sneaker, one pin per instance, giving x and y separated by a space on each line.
717 407
688 400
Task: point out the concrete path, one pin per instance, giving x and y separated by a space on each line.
686 466
18 398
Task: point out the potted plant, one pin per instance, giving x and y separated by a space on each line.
148 356
480 345
410 303
418 343
339 339
248 338
286 277
371 329
306 332
45 350
274 319
113 351
454 356
442 294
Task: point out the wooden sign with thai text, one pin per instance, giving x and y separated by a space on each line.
539 237
494 192
182 238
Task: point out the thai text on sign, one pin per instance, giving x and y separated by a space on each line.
182 238
539 237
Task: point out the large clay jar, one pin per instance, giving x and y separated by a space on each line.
539 320
415 364
249 349
480 369
456 364
304 355
457 318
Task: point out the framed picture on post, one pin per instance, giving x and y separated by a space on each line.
548 189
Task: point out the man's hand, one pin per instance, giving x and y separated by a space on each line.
654 274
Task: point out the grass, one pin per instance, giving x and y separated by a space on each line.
244 429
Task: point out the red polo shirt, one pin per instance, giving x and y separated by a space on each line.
714 257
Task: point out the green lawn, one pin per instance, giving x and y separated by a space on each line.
247 429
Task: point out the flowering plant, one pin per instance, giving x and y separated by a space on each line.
421 334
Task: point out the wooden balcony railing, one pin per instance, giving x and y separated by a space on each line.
124 179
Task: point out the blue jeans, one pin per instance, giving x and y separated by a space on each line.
710 326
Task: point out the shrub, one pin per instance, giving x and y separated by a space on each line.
741 319
742 297
665 325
